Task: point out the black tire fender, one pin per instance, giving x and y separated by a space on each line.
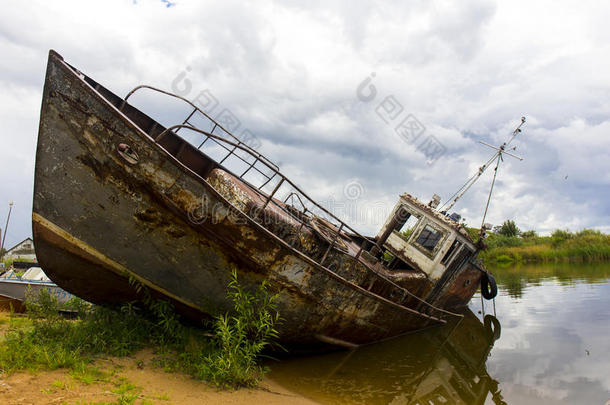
489 288
492 327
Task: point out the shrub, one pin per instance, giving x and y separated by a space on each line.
509 228
559 236
529 234
503 241
473 233
589 232
241 337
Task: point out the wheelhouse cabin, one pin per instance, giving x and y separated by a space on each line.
417 237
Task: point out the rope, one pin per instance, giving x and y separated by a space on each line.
493 182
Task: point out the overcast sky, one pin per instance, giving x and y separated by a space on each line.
292 73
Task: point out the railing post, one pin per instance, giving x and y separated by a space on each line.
204 141
362 245
229 154
273 193
268 180
331 244
248 169
187 119
297 236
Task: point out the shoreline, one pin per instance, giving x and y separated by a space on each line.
133 379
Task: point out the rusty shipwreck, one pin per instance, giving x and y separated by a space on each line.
119 197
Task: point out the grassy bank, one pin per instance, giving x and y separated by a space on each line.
562 246
225 355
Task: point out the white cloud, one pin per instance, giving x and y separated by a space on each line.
290 74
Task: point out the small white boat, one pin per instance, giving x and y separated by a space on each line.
15 289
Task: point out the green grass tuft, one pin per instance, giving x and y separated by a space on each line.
228 357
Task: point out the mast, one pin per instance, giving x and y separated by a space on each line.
497 158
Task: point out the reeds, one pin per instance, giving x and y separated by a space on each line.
562 246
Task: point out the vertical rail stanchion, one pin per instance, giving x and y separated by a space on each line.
204 141
187 119
229 154
250 167
332 243
268 180
273 193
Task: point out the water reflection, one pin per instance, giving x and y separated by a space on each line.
555 346
554 349
514 279
440 365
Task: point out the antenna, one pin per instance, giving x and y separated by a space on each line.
501 150
10 208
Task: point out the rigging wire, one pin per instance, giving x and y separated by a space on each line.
496 156
493 182
471 179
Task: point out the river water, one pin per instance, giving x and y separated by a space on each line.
549 342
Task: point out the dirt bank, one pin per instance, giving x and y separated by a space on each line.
127 380
131 380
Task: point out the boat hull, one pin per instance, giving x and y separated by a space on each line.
103 225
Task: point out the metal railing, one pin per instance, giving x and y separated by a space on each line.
270 171
296 192
215 123
282 180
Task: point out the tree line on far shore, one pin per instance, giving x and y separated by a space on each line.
508 244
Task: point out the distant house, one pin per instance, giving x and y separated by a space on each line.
22 250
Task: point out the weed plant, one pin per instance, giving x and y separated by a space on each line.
240 338
227 357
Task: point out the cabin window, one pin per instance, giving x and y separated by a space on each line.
409 226
406 222
428 238
454 246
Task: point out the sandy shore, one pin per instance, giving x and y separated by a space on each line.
136 377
